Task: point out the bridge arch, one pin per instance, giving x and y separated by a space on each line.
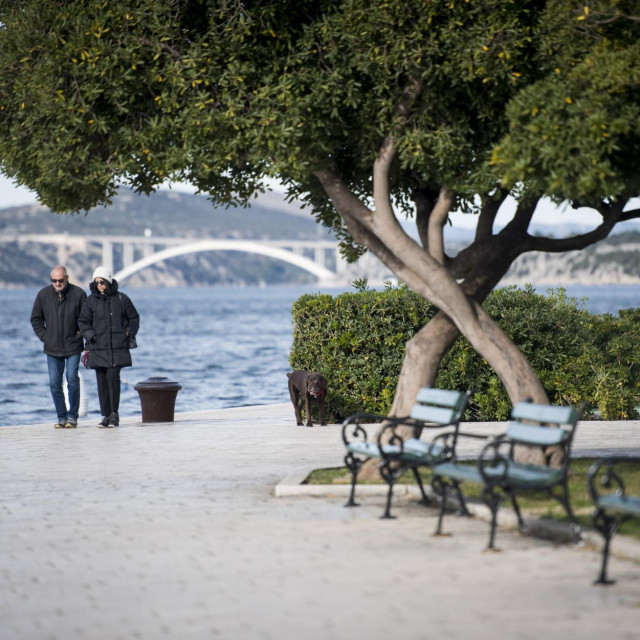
322 273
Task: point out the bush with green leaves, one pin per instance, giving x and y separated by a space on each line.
357 341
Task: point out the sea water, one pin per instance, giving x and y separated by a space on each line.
227 347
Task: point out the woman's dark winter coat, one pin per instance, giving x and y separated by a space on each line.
106 322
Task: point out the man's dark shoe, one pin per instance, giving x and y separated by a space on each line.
72 423
114 420
60 424
104 422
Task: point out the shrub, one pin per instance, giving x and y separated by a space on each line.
356 340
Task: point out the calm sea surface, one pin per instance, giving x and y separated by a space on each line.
226 347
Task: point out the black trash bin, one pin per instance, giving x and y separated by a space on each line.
157 398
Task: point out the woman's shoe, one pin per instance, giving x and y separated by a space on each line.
114 420
104 422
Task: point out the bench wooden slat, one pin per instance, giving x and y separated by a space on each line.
620 504
536 435
444 397
544 413
439 415
413 450
522 474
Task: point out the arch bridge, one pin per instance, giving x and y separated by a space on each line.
321 258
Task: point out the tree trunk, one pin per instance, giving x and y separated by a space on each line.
424 353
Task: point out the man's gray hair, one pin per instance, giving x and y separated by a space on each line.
60 266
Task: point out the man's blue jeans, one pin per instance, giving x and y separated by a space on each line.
56 370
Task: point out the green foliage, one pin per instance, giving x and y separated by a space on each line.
224 93
572 132
357 341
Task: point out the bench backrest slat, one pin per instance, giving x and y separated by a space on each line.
442 397
544 413
439 406
536 435
439 415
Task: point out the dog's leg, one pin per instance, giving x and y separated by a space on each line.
307 400
295 396
298 408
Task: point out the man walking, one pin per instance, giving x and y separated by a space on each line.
54 319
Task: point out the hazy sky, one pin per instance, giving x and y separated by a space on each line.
547 213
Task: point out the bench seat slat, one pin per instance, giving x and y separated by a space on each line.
369 449
524 475
414 450
620 504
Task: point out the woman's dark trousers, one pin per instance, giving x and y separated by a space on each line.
108 389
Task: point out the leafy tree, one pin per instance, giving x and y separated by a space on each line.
367 110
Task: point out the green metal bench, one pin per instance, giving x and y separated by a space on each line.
498 472
613 506
433 408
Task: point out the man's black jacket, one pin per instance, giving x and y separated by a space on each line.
54 318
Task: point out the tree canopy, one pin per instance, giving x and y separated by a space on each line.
367 110
540 94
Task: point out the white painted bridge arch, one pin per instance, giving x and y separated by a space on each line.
322 273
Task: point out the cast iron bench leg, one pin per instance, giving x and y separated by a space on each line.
390 476
442 488
607 527
516 508
353 465
492 499
425 497
463 503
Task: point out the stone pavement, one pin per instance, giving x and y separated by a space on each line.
174 531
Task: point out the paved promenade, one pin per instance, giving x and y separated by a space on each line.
174 531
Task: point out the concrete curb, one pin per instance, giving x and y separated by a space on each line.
559 532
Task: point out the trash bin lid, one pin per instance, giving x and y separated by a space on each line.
158 383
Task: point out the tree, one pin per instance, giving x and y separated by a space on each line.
367 111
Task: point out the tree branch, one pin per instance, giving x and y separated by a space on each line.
610 217
488 213
437 220
424 200
632 214
381 191
357 218
522 218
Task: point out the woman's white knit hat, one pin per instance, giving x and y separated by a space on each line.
104 273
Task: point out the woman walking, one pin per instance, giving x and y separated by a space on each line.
109 323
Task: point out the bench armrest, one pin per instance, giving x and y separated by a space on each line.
394 439
445 444
495 455
351 429
603 473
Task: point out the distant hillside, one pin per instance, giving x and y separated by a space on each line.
169 213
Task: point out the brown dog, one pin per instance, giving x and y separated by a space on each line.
310 386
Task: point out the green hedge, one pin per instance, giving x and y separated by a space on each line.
356 340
